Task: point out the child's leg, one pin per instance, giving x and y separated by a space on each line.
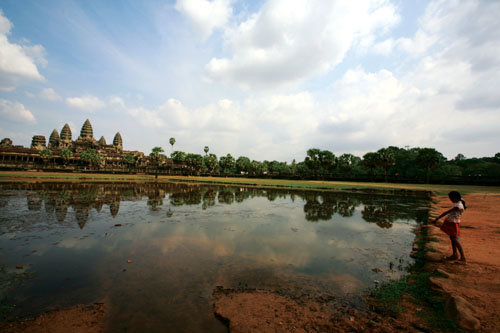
454 247
460 249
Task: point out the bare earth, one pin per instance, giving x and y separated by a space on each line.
478 283
79 319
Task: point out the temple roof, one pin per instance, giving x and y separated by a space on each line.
117 141
54 137
38 140
66 132
102 141
87 132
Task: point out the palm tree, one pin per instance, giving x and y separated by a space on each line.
172 142
205 150
157 158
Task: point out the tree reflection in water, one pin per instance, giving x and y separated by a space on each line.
383 210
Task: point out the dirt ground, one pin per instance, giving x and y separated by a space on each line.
79 319
478 283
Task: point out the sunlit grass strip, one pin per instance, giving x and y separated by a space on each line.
337 185
25 176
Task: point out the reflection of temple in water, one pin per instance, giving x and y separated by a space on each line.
58 198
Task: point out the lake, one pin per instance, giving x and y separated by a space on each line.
156 252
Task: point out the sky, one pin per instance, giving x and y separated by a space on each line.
266 79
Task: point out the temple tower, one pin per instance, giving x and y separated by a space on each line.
54 139
38 142
117 141
6 142
66 133
66 139
86 133
102 141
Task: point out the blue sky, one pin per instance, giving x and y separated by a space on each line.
263 79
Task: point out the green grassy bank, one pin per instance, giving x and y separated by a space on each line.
24 176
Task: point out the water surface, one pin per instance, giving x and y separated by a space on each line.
186 239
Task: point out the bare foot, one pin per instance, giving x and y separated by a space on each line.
451 258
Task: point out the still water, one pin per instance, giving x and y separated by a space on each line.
75 242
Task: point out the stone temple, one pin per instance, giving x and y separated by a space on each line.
112 155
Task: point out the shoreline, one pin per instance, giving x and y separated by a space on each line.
316 185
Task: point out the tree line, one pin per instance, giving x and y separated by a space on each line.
386 164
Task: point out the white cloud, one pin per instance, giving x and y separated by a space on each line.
15 111
17 62
49 94
289 41
205 15
87 103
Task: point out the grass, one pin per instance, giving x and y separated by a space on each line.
389 296
24 176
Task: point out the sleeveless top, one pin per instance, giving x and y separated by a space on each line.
455 215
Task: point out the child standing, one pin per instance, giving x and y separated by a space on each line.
451 225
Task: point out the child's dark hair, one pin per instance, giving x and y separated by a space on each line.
456 195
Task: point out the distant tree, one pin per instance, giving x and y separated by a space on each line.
371 161
283 169
256 168
194 162
210 162
91 156
66 154
206 149
347 162
227 163
497 156
172 142
427 159
326 160
178 157
459 157
157 158
45 154
385 159
242 164
312 160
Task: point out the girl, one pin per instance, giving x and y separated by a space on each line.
451 225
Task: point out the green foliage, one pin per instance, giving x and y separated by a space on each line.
66 154
45 154
178 156
243 164
156 155
129 159
91 156
312 160
256 168
172 142
227 163
206 149
371 161
347 162
194 162
427 159
210 163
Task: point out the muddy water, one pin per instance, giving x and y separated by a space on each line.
156 252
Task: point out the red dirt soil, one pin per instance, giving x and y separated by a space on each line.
478 282
79 319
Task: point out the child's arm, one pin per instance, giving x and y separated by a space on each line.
444 214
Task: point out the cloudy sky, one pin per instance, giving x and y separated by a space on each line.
267 79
